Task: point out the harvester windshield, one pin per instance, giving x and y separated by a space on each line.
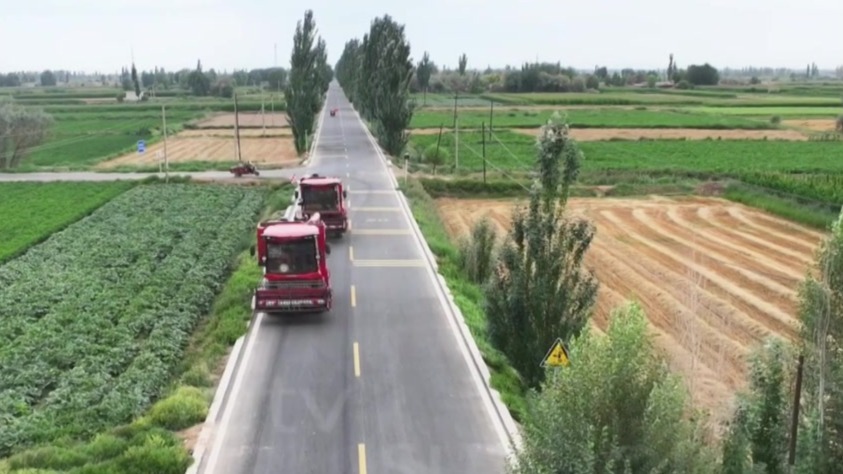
320 198
292 257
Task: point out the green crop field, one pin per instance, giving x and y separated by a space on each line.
514 151
31 212
94 321
587 118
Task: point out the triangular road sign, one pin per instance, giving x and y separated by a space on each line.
557 356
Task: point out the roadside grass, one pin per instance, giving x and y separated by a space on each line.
819 215
153 443
586 118
468 297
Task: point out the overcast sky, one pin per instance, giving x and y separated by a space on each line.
99 35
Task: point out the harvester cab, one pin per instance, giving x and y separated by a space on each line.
293 254
326 196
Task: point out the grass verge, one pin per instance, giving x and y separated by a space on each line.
158 442
812 214
468 297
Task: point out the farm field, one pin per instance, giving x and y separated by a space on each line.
714 277
214 141
585 118
90 126
31 212
94 320
606 134
516 151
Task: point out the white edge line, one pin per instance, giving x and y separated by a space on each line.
245 354
505 425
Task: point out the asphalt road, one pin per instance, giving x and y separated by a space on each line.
380 384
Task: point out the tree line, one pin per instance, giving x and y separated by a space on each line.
375 74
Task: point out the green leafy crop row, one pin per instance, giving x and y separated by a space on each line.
30 212
94 321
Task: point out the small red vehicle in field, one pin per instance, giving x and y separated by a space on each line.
240 169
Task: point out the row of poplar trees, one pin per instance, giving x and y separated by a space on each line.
375 74
308 81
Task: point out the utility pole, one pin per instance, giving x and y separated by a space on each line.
237 129
491 114
166 158
456 145
484 152
456 95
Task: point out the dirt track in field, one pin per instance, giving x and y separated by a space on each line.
598 134
714 277
278 119
180 149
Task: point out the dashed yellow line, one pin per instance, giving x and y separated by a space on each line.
356 360
353 296
361 458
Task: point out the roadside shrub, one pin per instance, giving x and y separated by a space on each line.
775 120
684 84
436 156
155 455
616 408
839 124
476 252
180 410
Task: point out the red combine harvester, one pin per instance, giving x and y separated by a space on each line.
326 196
293 254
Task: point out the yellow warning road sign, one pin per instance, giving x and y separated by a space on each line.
557 356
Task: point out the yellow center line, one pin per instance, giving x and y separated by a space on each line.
356 360
361 457
353 296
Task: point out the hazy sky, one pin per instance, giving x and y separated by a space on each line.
225 34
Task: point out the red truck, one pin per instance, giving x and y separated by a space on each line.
293 254
326 196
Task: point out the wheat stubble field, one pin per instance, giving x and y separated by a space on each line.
714 277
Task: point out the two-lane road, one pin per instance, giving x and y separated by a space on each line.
380 384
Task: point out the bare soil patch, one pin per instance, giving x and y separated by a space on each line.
262 151
814 125
278 119
244 132
714 277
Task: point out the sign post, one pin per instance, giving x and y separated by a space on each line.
556 357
